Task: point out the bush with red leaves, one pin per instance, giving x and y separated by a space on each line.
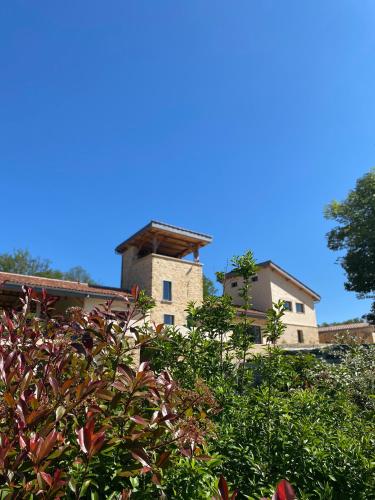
77 418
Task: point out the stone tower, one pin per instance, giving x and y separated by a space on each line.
153 259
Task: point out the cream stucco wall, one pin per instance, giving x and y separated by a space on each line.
271 287
91 302
283 289
261 298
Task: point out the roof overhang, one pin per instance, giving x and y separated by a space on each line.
167 239
268 263
61 292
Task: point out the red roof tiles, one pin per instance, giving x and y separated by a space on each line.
49 284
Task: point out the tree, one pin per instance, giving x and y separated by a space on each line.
245 266
355 233
22 262
78 273
333 323
209 288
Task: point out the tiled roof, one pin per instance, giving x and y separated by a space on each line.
347 326
12 280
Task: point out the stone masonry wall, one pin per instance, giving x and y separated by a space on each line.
187 286
136 271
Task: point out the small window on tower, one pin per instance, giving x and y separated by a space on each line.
168 319
300 336
234 284
167 290
254 278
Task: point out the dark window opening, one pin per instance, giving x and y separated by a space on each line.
300 336
287 305
168 319
254 278
300 308
234 284
167 290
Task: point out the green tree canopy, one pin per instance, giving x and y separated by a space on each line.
209 288
22 262
355 234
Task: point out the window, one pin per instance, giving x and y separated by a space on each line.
254 278
234 284
167 290
288 305
300 336
168 319
300 308
256 334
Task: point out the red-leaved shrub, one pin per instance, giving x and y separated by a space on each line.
78 417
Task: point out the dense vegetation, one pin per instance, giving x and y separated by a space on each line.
22 262
80 419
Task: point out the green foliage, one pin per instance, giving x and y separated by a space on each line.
78 273
220 277
242 339
353 320
281 416
245 265
355 234
22 262
274 325
214 316
77 418
208 287
370 317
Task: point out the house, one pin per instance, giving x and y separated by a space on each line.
271 284
164 261
363 333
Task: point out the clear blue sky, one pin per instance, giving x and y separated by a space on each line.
239 119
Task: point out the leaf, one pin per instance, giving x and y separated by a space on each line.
84 488
141 455
139 420
135 292
8 398
72 485
163 459
223 488
47 478
284 491
60 412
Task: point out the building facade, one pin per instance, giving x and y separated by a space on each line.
164 261
271 284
